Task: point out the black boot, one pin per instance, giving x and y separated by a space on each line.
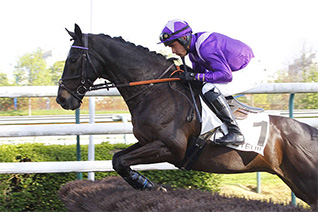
219 106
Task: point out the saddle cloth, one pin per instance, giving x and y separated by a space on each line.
254 128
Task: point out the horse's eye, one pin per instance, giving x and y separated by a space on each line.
73 60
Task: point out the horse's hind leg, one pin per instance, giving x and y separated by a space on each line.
153 152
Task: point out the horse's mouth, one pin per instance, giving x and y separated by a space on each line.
66 100
68 104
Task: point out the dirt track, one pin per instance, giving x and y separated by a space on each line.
114 194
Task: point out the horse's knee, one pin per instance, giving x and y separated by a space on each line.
118 164
114 161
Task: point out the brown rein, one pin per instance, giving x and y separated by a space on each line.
83 88
144 82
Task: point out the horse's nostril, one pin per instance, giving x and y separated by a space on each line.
60 100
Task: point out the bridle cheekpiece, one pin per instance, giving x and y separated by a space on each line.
86 83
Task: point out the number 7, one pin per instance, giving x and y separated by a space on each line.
262 136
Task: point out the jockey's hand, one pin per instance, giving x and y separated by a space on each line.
188 69
187 76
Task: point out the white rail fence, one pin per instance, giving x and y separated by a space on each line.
65 129
73 166
104 128
51 91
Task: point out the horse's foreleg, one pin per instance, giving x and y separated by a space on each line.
122 170
153 152
132 177
125 151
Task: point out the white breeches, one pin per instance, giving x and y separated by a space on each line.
242 80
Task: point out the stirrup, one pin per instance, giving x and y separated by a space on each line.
235 105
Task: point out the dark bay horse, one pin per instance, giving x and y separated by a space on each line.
161 124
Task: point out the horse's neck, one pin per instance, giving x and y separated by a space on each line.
127 63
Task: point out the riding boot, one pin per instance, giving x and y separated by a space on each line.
220 107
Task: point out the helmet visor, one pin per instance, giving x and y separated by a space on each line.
167 38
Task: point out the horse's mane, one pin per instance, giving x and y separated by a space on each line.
146 50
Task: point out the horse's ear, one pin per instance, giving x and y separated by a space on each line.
72 34
78 32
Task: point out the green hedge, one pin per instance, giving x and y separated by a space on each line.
38 192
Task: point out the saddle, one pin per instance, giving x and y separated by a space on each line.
241 110
197 144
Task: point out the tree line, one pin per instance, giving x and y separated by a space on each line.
31 70
281 101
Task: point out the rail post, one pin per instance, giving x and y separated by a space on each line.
291 115
91 145
258 176
125 121
79 175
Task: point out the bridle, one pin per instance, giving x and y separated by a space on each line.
86 83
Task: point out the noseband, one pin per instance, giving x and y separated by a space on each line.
85 82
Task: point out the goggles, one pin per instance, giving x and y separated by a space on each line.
165 36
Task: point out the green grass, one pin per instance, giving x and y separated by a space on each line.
54 112
250 178
245 185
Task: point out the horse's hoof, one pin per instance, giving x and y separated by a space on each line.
158 188
161 188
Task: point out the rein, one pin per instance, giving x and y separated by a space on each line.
87 85
108 85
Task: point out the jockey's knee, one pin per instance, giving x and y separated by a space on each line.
209 87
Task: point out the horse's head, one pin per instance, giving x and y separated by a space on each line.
101 56
78 74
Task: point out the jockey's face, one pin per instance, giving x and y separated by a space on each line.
178 49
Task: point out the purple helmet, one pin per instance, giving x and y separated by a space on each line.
175 30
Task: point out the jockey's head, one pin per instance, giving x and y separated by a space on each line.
176 30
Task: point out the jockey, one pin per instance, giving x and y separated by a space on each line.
214 57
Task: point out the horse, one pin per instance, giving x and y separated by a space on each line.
164 121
